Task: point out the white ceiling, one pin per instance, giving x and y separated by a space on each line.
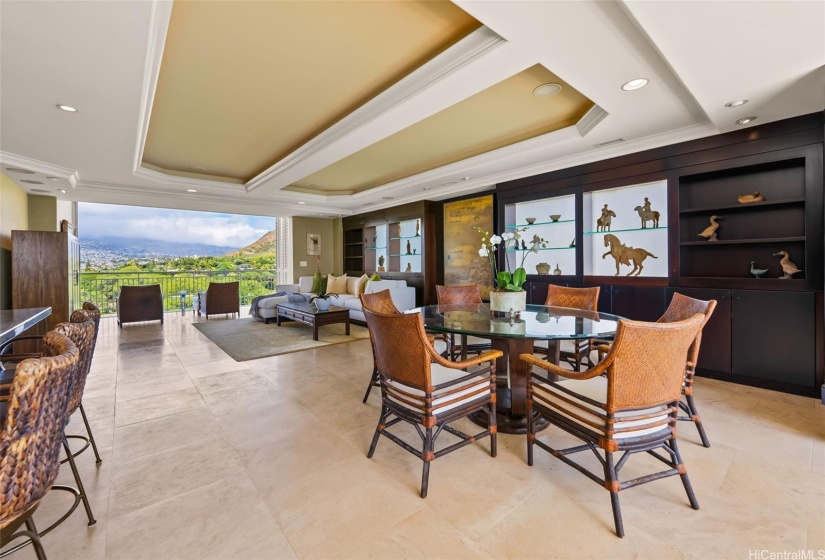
104 57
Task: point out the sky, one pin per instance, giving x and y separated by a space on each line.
100 221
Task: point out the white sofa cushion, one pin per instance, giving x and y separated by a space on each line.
596 389
380 285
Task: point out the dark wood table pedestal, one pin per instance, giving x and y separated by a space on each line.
511 402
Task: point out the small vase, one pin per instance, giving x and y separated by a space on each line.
322 304
557 272
508 301
543 268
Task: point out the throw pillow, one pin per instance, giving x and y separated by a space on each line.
337 284
352 285
316 283
362 284
375 277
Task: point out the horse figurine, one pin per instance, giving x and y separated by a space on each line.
624 254
603 223
648 215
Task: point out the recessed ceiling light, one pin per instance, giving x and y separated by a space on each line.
387 198
301 202
19 170
745 120
67 108
632 85
737 103
465 178
546 90
450 183
191 190
62 191
196 168
40 190
368 203
31 182
428 188
53 178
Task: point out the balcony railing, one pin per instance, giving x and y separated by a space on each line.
179 288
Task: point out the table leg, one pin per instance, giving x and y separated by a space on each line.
347 324
315 331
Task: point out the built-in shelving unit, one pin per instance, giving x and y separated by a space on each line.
534 218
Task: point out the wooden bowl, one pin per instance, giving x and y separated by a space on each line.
555 217
530 220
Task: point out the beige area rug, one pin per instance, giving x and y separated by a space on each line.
248 339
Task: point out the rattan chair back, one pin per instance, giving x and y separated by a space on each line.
458 295
81 331
400 346
681 307
379 302
30 440
93 313
574 298
647 362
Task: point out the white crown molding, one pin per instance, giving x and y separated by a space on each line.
189 182
14 160
468 50
158 26
590 119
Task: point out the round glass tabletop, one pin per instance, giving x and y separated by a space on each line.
537 322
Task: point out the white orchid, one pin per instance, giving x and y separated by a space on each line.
495 239
504 279
483 252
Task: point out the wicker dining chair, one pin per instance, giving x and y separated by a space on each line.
421 388
31 437
464 294
377 302
586 299
627 403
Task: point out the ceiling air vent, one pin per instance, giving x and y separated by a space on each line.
609 142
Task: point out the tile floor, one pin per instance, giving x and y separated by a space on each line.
204 457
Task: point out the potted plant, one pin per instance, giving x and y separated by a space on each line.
508 293
321 301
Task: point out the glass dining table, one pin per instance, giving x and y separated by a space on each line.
516 335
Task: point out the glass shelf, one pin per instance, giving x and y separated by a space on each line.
374 248
405 255
540 224
407 237
545 249
621 230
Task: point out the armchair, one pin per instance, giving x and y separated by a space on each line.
139 303
219 297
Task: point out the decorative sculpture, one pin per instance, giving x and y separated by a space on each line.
749 198
758 272
543 268
710 231
603 223
409 249
788 267
409 268
647 215
624 254
530 221
418 228
557 270
381 263
555 217
523 245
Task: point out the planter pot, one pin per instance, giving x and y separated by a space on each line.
322 304
508 301
506 326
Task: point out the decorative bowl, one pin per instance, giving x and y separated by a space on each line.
530 220
555 217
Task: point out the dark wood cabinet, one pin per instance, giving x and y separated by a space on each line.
45 272
715 354
773 336
640 303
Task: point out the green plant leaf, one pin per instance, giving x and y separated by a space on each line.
519 277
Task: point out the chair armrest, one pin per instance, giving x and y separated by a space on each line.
490 356
595 371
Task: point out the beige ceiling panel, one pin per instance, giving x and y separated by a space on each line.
501 115
243 84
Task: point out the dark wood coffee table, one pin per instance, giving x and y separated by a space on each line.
308 314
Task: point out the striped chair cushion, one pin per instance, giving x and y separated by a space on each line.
477 389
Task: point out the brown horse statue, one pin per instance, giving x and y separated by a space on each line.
624 254
646 216
603 223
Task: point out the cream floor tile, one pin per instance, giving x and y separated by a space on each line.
214 367
219 520
152 478
203 356
340 508
99 407
141 373
157 406
267 422
146 360
155 435
816 535
818 458
245 378
424 534
102 428
151 386
275 463
242 398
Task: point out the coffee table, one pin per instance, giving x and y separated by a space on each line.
308 314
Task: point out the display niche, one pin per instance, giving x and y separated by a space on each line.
405 246
625 231
375 248
553 219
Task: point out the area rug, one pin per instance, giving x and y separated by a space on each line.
248 339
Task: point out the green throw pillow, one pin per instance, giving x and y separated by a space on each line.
375 277
316 283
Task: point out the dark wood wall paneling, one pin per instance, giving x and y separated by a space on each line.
765 332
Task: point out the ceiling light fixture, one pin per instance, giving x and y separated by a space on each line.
301 202
546 90
191 190
19 170
633 85
465 178
62 191
31 182
737 103
67 108
53 178
387 198
427 188
745 120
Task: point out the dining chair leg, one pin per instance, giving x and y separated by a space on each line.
680 466
694 416
531 430
35 538
612 479
79 482
373 381
91 436
493 430
427 457
384 413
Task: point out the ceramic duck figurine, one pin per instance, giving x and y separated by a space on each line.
748 198
710 231
788 267
758 272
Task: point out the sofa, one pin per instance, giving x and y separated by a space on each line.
402 295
